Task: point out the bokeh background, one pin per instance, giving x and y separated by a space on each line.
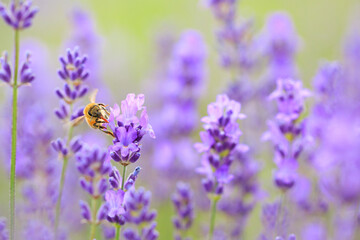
131 38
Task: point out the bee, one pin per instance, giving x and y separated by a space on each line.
95 114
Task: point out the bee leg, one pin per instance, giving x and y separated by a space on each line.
107 132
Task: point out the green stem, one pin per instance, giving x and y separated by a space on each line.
117 236
93 222
13 139
62 181
123 178
213 215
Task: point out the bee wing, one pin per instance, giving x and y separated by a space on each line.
93 96
77 121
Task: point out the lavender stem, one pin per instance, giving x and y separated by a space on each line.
123 177
62 180
13 141
93 221
118 228
213 215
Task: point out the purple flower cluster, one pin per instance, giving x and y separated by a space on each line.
220 142
184 81
237 48
137 205
280 43
74 73
19 15
178 116
286 132
94 165
26 74
183 203
129 129
115 196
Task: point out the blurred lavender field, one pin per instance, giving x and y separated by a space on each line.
213 119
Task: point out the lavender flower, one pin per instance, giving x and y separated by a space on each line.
219 143
115 201
288 136
25 72
4 235
183 83
148 233
182 200
5 72
280 43
74 73
116 181
224 10
137 204
18 15
93 165
128 129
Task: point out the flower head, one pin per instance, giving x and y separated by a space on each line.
115 201
93 164
19 15
128 129
219 142
137 204
182 201
290 96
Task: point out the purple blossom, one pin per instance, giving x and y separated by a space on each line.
224 10
93 164
26 75
182 85
85 210
129 129
219 142
280 43
132 178
73 67
74 73
60 146
4 235
5 70
137 204
25 72
115 201
286 133
183 202
290 96
147 233
19 15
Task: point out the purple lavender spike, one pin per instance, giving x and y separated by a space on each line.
18 15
